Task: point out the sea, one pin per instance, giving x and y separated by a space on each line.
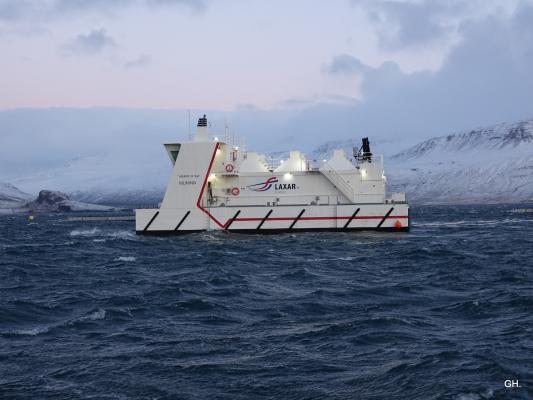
89 310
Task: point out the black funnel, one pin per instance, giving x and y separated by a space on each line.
366 155
202 121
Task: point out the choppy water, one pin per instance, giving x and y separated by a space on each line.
89 310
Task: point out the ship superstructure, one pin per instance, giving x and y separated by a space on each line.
219 185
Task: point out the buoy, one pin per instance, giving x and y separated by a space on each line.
229 167
235 191
30 217
398 224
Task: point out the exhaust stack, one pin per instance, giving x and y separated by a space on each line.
201 130
365 153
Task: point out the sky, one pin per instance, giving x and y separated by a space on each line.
281 72
226 54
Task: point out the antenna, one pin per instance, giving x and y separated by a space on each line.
226 129
189 122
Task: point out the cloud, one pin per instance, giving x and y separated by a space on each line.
302 103
404 23
194 5
139 62
94 42
12 11
485 79
344 64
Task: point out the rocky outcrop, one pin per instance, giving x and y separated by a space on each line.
51 200
54 201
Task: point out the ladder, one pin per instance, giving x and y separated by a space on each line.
338 181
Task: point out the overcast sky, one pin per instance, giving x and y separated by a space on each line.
324 69
225 54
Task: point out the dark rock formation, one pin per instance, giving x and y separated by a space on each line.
51 201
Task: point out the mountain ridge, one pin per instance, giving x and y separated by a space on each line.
499 136
490 164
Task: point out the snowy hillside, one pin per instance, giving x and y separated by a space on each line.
379 146
498 137
105 179
12 197
493 164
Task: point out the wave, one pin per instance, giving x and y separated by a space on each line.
93 316
486 394
86 232
126 259
330 259
102 234
475 223
33 331
38 330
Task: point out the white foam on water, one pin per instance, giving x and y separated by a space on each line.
121 234
330 259
86 232
33 331
95 315
127 259
469 396
487 394
489 222
99 314
522 210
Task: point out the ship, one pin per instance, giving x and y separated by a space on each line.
218 185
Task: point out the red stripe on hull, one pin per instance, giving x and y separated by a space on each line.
321 218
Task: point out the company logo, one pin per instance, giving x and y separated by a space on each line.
269 183
261 187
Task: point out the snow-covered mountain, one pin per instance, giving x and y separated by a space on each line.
11 196
105 179
379 146
493 164
486 165
496 137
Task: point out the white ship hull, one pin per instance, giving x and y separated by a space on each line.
216 186
264 220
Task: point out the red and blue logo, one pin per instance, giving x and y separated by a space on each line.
261 187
